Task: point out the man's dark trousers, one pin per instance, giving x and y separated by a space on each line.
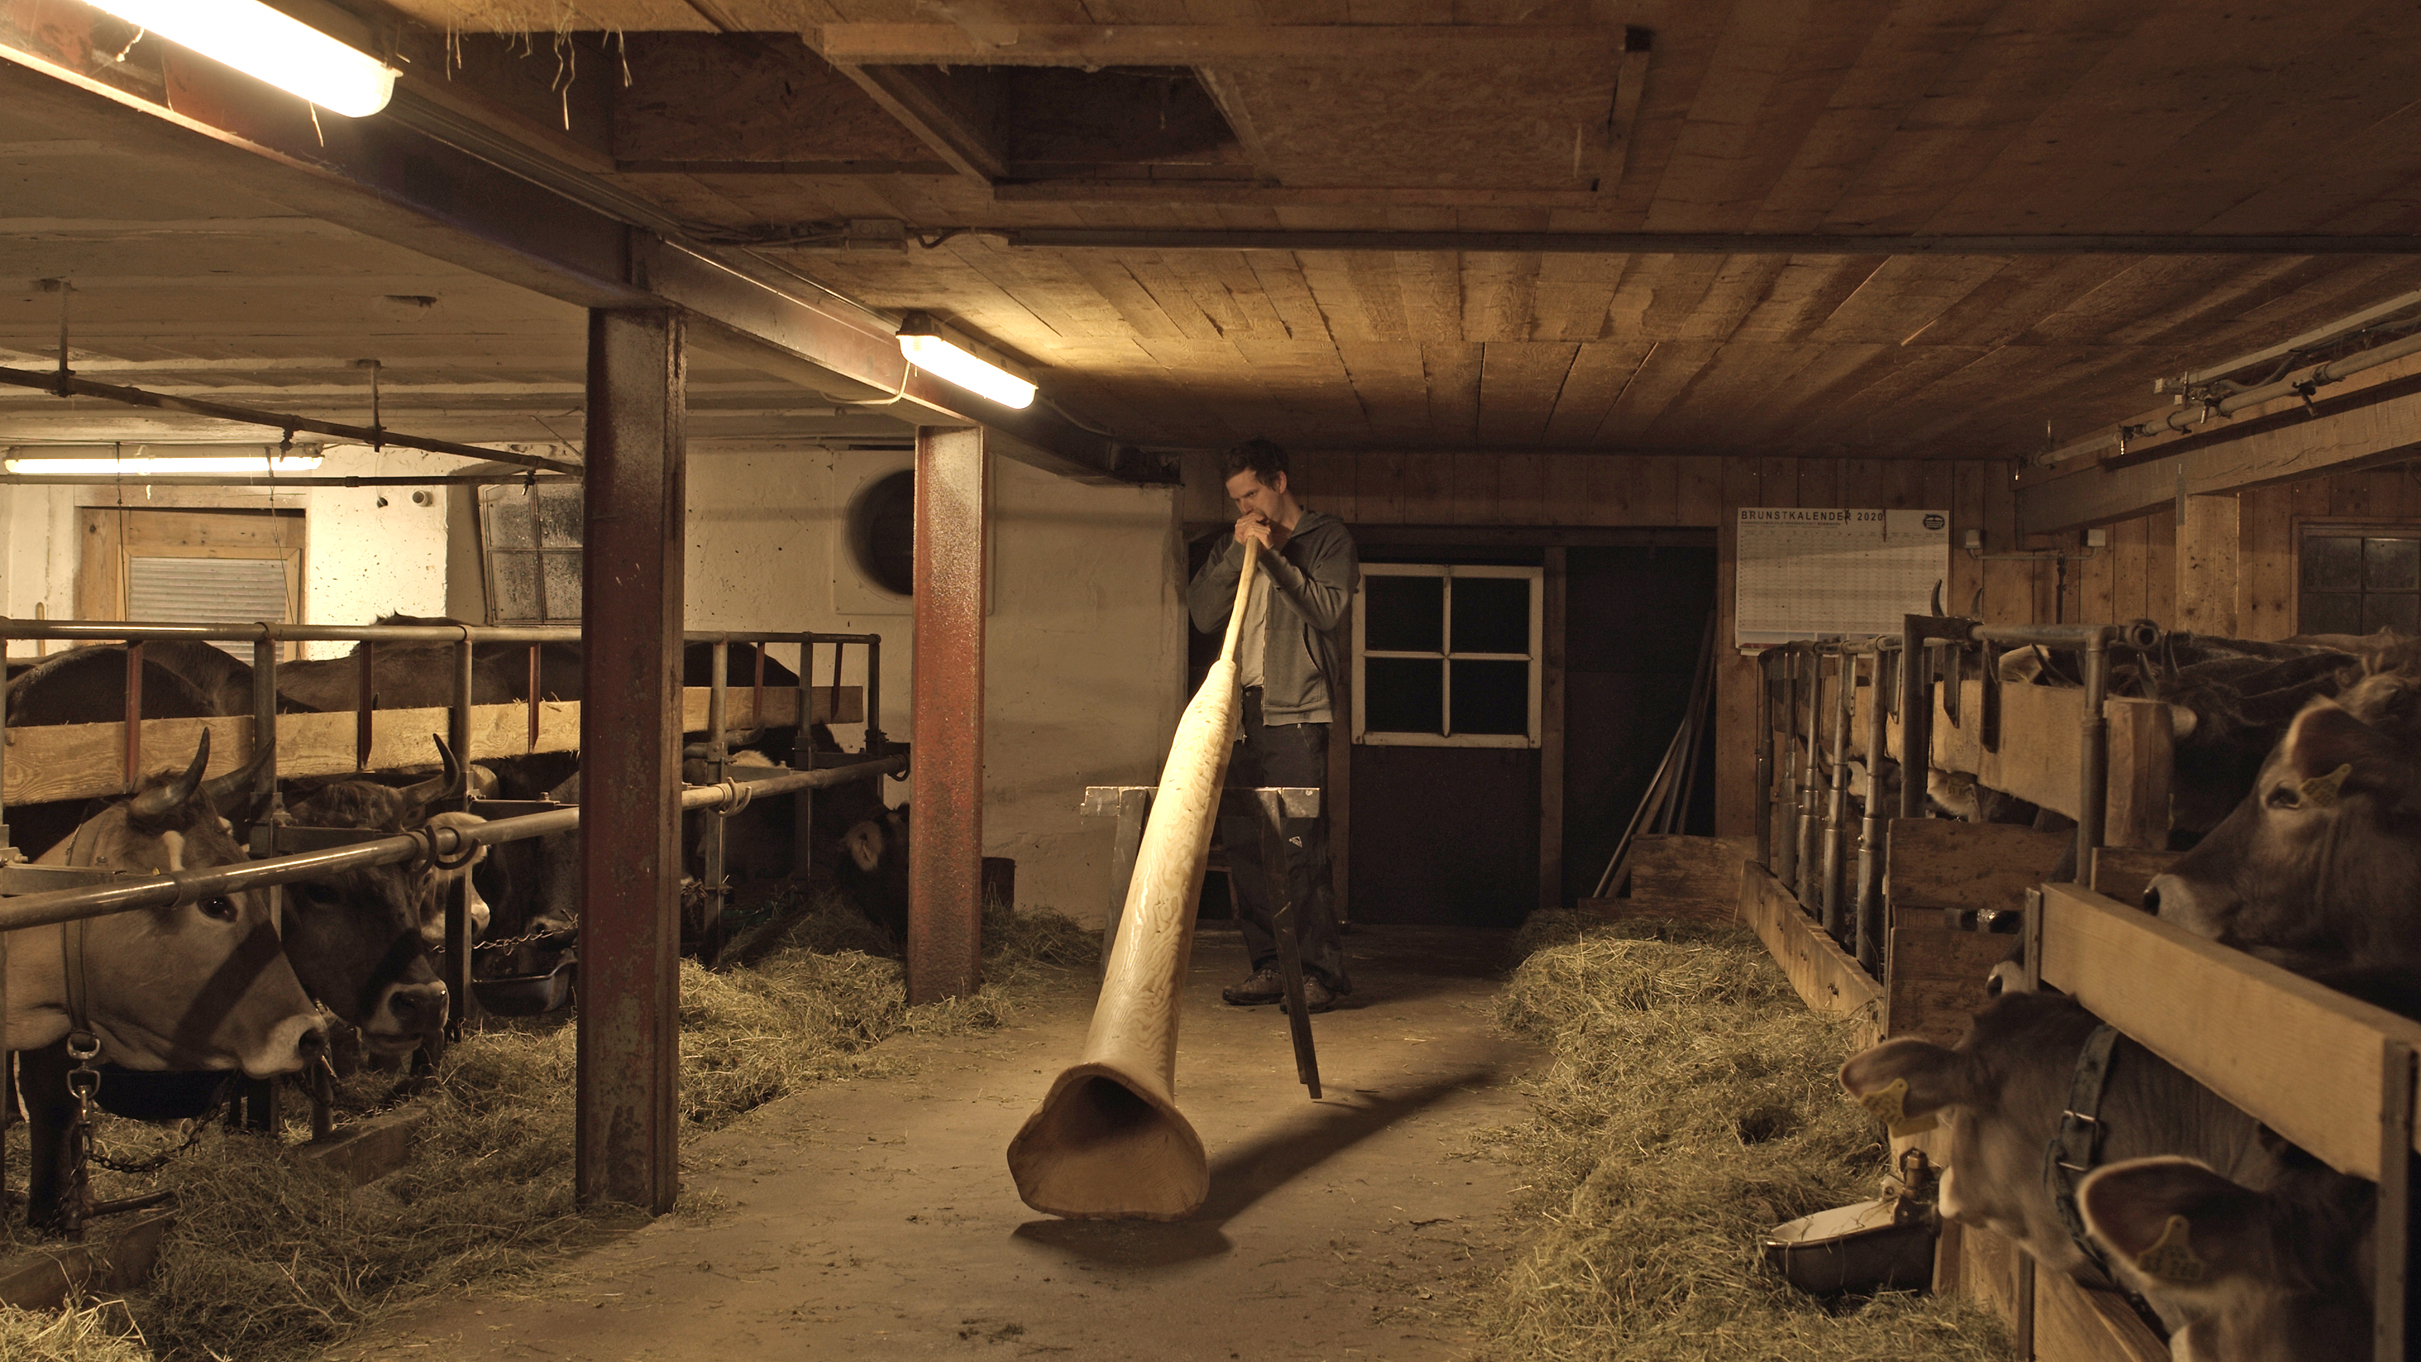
1283 755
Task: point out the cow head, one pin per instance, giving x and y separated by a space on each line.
199 985
2280 1275
2321 863
360 938
1993 1100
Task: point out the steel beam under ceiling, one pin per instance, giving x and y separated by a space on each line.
528 221
1694 243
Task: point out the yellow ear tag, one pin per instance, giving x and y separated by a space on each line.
2321 791
1891 1103
2168 1258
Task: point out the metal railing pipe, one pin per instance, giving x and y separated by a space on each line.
1785 794
441 842
1811 776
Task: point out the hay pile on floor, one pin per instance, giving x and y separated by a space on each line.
1689 1106
99 1334
273 1260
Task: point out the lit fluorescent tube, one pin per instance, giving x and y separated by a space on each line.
261 42
149 465
926 348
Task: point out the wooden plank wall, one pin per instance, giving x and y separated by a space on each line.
2136 577
1464 488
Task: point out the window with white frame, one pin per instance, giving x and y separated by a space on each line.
1447 655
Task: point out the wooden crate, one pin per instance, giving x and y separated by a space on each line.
1686 877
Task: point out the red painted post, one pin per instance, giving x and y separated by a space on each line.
945 838
630 746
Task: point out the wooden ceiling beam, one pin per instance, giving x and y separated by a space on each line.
958 135
1406 45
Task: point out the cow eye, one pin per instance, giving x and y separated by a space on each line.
220 907
2286 797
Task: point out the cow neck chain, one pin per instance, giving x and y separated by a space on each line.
2076 1148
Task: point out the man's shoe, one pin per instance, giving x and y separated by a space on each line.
1265 985
1316 995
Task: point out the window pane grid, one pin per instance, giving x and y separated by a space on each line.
1410 694
2358 580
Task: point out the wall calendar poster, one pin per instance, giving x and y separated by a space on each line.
1820 574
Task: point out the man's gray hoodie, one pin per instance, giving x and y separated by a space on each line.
1312 581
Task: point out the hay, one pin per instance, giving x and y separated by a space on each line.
273 1260
98 1334
1689 1105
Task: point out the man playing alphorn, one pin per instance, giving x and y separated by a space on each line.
1288 663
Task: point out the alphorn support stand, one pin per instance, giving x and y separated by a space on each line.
1281 812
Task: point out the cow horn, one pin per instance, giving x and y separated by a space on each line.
238 784
450 785
155 804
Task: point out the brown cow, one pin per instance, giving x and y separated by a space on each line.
2320 866
2001 1092
200 985
2282 1275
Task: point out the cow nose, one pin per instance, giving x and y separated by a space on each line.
418 1006
311 1045
2152 899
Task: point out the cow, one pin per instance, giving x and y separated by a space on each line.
865 844
200 985
360 938
2319 866
84 686
2281 1274
2001 1092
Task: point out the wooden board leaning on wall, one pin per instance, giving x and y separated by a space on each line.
85 761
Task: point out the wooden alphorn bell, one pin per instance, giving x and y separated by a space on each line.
1108 1142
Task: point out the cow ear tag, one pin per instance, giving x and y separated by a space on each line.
2169 1259
1891 1103
2321 791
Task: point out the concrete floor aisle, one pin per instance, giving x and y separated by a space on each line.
876 1218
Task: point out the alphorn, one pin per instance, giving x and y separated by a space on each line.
1108 1142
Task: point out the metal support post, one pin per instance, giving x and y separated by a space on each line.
1916 714
630 744
2092 801
1871 829
1836 808
802 758
1809 777
1765 760
1783 816
945 839
718 765
458 900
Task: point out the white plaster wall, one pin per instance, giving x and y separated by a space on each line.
362 559
1084 654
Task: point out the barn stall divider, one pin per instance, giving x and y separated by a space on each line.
70 761
1903 941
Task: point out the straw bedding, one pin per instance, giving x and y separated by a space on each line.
271 1259
1688 1105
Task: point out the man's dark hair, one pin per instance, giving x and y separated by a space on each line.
1261 456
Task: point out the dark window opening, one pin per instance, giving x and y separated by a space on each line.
882 532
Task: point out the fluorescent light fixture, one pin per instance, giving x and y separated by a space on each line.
152 465
267 45
925 347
